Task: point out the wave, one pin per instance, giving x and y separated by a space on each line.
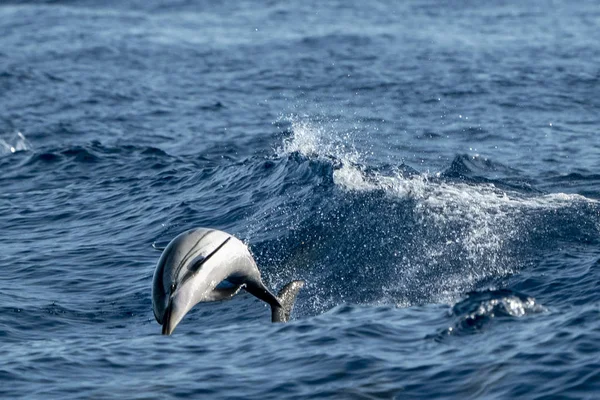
90 153
358 233
389 234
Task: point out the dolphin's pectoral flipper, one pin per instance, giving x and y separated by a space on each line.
224 293
259 290
287 298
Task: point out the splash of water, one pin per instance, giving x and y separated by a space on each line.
314 141
18 142
460 234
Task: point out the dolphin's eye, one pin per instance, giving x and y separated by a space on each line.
173 287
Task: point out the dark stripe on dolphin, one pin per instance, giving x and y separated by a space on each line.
189 253
166 318
159 277
196 267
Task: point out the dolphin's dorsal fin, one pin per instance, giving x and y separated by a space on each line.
287 298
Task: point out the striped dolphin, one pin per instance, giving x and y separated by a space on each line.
203 265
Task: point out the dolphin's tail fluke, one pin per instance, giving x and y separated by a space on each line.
287 298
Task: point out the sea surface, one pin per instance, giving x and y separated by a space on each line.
431 169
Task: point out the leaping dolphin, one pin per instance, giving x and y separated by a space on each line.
202 265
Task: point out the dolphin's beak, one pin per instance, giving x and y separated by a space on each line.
177 307
181 300
167 327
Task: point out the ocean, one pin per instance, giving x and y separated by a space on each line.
431 169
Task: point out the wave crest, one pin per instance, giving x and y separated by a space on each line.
406 237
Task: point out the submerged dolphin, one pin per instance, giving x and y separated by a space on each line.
202 265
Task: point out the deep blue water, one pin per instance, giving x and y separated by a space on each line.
431 169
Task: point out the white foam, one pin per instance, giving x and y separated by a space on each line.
351 178
314 141
448 199
511 305
473 226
